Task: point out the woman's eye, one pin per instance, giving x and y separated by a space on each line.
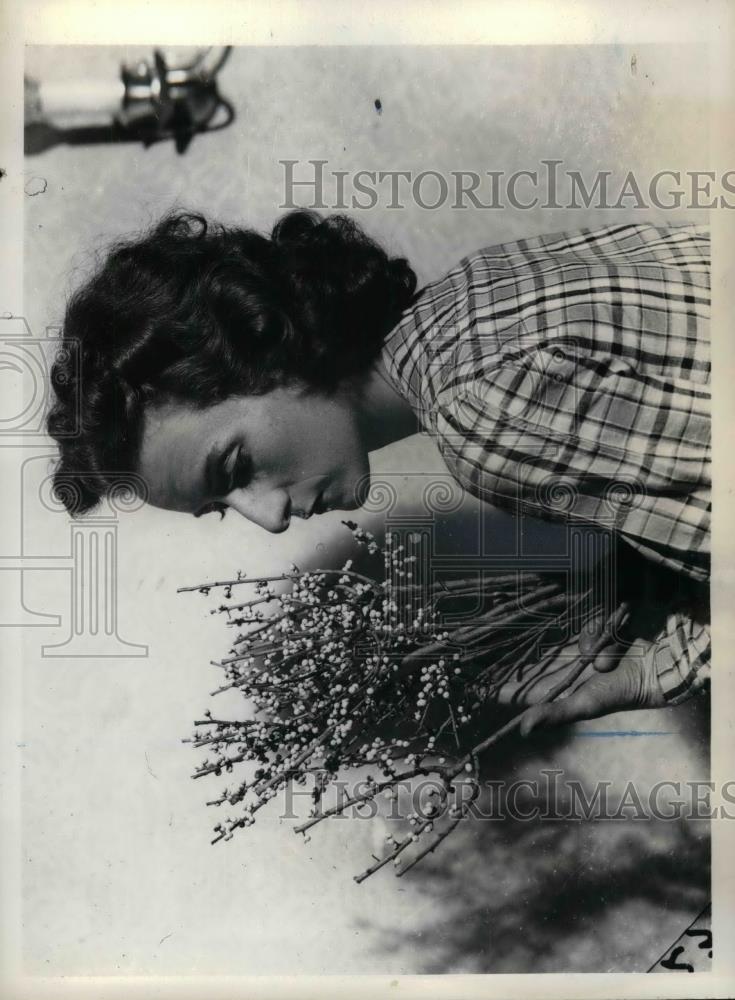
212 508
237 470
235 474
243 471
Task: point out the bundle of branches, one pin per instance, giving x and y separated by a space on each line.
342 656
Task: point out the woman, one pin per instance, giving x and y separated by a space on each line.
234 371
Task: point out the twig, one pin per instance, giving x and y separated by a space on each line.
613 622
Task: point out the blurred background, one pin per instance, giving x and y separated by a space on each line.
118 874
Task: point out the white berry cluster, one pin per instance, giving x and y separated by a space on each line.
336 676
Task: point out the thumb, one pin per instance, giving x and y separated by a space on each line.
604 649
600 695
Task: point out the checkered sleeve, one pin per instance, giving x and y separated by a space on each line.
568 377
681 657
561 455
557 433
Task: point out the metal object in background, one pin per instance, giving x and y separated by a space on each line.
150 102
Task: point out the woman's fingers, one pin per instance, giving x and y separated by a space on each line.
537 682
600 695
587 639
609 657
536 685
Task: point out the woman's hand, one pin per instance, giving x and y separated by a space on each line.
620 678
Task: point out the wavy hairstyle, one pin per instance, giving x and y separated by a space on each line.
197 311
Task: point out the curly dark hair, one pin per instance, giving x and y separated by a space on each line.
197 311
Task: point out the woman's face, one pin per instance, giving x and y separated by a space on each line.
286 453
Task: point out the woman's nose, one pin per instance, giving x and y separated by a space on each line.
270 510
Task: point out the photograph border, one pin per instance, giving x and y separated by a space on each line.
417 23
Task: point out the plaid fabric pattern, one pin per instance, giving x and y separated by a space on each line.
568 376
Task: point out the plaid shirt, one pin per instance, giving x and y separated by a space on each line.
568 375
